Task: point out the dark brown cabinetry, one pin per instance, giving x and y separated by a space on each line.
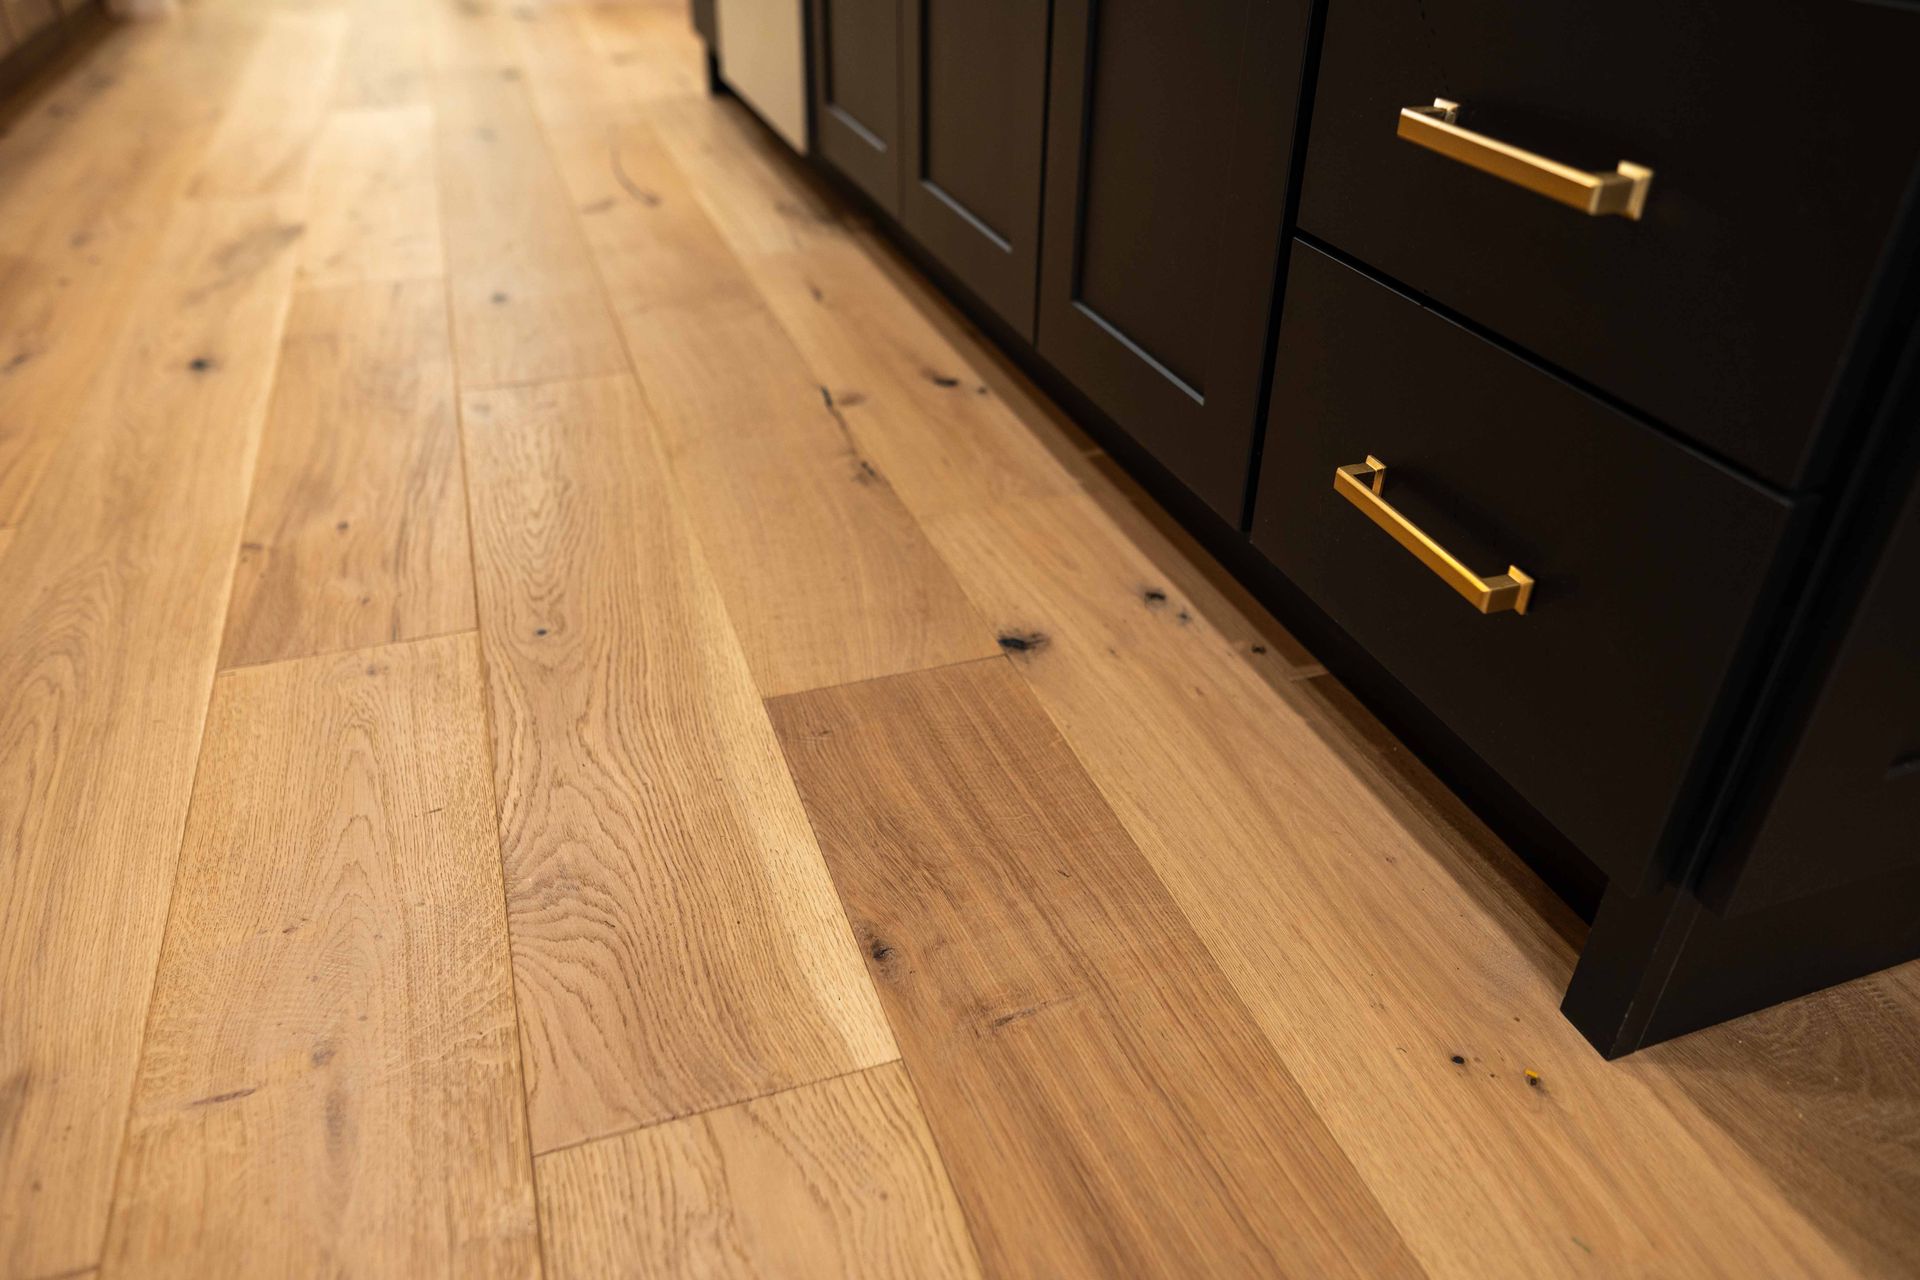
936 110
33 31
1168 157
1417 242
974 82
856 93
1647 560
1780 139
1842 802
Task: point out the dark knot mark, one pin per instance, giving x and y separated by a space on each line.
499 297
202 364
539 631
1016 642
1154 597
866 473
18 360
886 958
627 184
940 379
322 1054
1184 617
1259 648
224 1097
343 526
1458 1061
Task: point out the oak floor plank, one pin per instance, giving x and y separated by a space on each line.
330 1084
374 209
655 48
383 62
357 530
916 404
110 615
87 185
1405 965
265 145
527 303
1821 1093
838 1178
677 944
1104 1102
770 474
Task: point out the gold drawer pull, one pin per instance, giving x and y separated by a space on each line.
1623 192
1361 483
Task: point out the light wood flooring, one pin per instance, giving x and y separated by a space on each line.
561 713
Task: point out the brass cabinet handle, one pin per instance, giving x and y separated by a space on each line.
1623 191
1361 484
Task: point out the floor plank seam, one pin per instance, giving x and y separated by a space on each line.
257 432
357 648
614 1135
486 699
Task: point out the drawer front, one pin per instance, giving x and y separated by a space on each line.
1781 137
1647 560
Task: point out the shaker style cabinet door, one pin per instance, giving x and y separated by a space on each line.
974 109
1170 143
856 93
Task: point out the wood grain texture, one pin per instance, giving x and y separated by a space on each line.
265 144
374 212
331 1079
762 454
110 605
1821 1093
1104 1102
88 181
838 1178
920 408
357 530
527 304
1375 930
677 945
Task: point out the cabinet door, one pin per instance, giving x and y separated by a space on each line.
1171 140
975 75
856 93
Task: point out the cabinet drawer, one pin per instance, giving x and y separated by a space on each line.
1780 136
1647 560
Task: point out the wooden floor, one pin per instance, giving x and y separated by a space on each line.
560 713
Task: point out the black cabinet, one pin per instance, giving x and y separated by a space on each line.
1659 414
1647 561
856 93
1781 141
1168 155
1843 803
973 107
